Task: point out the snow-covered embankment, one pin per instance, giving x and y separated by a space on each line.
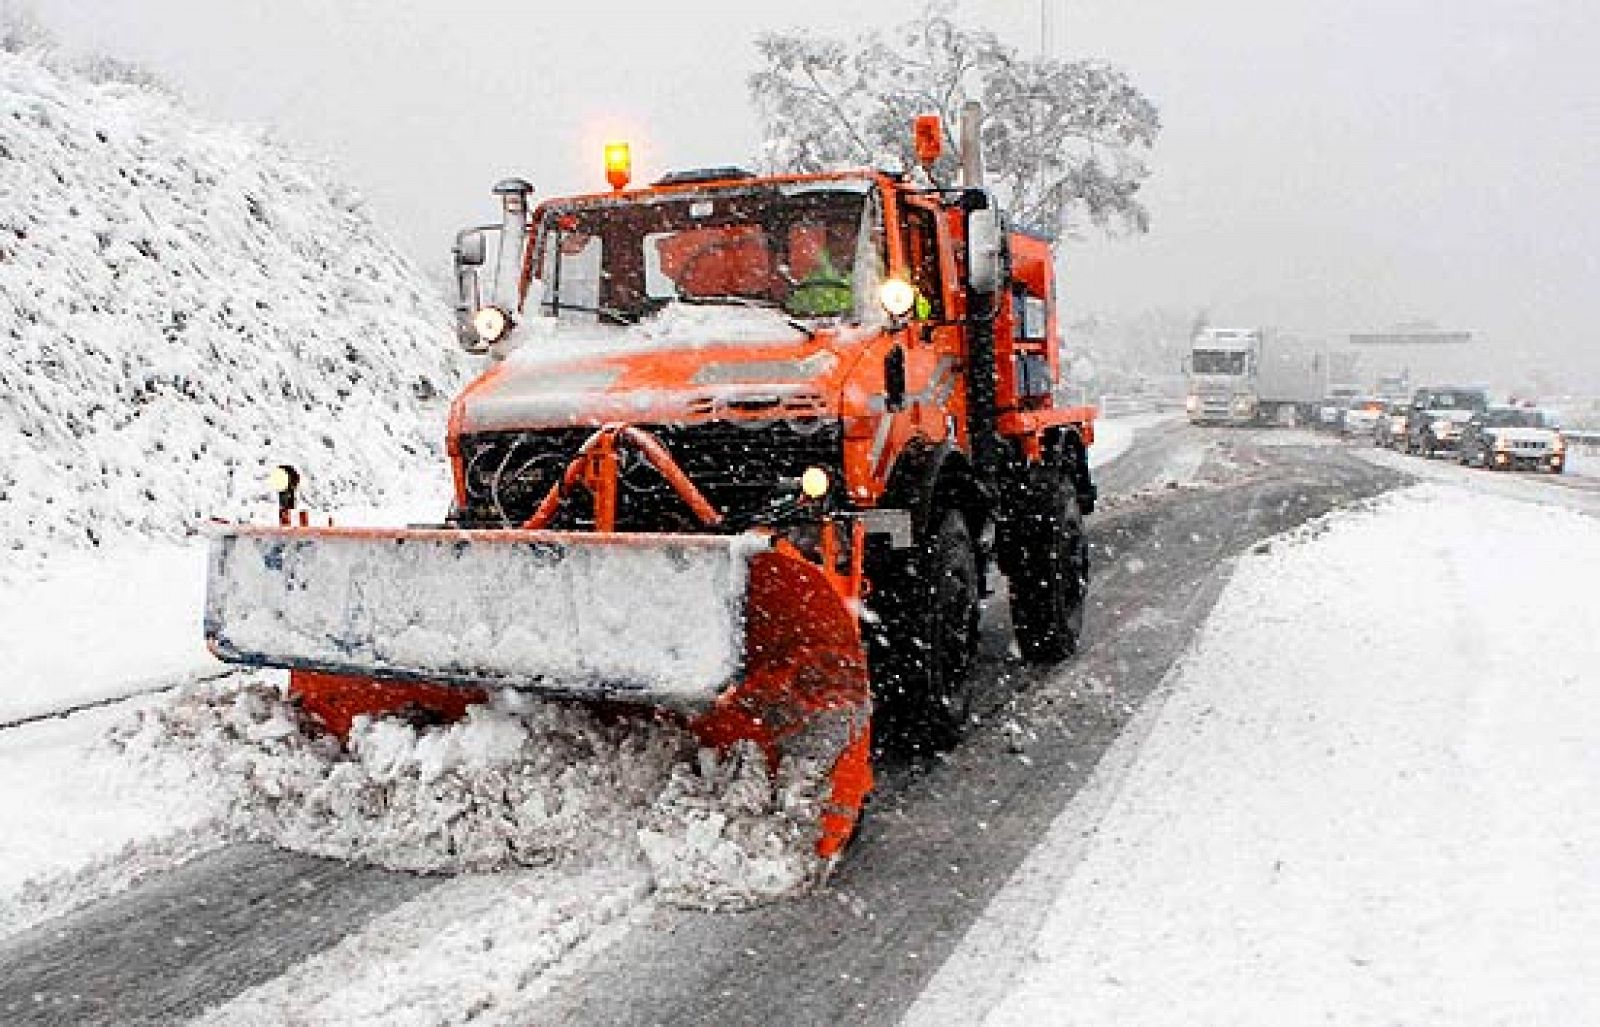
182 304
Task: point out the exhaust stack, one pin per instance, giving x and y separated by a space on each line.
972 170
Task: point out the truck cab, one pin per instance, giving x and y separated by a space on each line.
1223 367
856 345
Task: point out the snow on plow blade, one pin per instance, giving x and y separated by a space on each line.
657 619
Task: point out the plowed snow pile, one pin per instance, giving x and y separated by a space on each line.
515 783
182 304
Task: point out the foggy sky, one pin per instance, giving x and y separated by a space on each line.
1326 166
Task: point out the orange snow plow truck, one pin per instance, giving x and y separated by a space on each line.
743 454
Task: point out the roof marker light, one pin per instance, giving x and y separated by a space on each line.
619 165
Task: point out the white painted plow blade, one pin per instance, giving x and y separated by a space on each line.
643 618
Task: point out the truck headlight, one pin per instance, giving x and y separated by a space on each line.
491 324
897 296
1559 444
1192 403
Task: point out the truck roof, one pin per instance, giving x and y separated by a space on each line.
737 179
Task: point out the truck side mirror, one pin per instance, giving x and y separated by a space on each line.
894 379
471 249
983 250
471 253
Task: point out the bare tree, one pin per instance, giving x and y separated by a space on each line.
1066 140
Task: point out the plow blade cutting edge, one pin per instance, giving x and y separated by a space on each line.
740 635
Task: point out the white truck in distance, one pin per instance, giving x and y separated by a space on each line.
1245 376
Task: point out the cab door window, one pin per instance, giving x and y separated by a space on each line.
922 261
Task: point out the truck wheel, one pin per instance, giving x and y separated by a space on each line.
922 652
1048 589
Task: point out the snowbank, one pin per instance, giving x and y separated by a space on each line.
589 816
521 782
105 623
1113 436
181 305
1370 797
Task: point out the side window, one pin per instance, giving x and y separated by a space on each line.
922 256
1028 314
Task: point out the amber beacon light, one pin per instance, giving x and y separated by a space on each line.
619 165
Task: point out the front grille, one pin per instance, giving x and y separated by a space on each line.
1529 445
742 468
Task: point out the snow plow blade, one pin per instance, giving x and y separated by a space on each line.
653 618
741 635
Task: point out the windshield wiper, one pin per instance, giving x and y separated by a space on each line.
614 313
697 299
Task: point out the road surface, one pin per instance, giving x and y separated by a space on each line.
941 838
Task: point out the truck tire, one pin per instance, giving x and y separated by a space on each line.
1052 578
922 652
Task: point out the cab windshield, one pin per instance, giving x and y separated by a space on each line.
1218 361
1515 418
1456 401
812 251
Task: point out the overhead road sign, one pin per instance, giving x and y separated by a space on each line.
1410 338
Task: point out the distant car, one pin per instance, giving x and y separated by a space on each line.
1433 424
1361 419
1330 412
1506 438
1390 429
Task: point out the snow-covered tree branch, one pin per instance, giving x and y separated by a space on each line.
1066 140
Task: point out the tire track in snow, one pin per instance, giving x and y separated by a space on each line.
183 942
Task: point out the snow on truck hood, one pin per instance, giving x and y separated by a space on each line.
685 359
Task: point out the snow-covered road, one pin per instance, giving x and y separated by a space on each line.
1212 816
72 851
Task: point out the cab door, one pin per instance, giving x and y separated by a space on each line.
935 342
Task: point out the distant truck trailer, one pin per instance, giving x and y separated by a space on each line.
1251 376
